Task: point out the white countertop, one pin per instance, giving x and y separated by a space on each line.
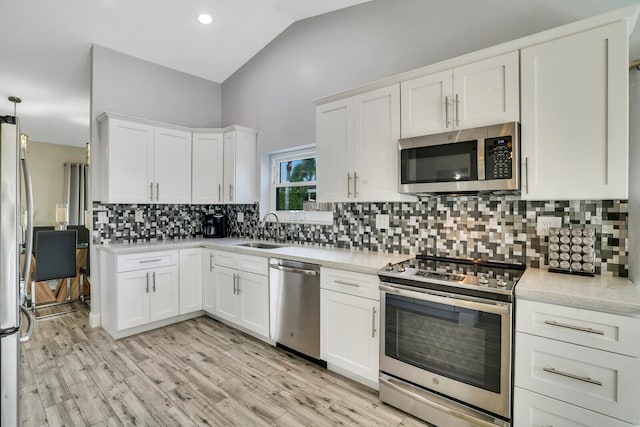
345 259
602 293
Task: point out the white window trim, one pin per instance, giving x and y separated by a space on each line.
304 217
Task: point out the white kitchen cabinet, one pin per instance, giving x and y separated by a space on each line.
164 293
575 124
352 350
241 286
240 165
207 167
191 276
144 163
358 147
481 93
575 365
208 280
132 299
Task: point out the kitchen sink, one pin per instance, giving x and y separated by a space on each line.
261 245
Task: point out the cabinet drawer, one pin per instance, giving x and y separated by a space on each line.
146 260
248 263
593 379
348 282
610 332
534 410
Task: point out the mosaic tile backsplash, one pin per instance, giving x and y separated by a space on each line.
499 228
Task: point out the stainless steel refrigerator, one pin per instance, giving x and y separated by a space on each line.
12 286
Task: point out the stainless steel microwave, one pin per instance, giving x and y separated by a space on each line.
485 159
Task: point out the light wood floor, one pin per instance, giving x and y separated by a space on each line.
194 373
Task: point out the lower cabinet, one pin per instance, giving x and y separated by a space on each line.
242 297
190 280
208 280
349 323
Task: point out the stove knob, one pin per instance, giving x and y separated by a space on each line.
401 268
389 267
483 280
500 282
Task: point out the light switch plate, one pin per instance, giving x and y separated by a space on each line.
102 217
382 221
138 217
544 223
240 216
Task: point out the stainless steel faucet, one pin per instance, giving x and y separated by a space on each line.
271 213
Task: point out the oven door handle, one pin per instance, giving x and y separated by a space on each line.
449 299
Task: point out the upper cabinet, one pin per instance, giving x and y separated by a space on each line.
481 93
240 165
207 167
142 163
358 147
575 125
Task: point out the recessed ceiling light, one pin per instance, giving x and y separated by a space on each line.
205 18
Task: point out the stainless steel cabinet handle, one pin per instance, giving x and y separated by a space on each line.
348 184
234 284
30 324
157 191
238 285
572 376
446 111
219 192
230 192
147 287
373 322
526 173
355 184
154 281
144 261
211 262
457 111
573 327
344 282
151 191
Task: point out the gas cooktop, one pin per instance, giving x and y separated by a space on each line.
465 276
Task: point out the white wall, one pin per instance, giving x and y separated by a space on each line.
46 165
634 176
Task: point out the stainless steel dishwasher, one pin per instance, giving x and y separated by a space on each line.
295 306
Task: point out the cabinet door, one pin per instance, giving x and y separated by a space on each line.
229 179
172 166
207 168
427 104
226 301
353 348
334 136
486 92
376 134
129 168
253 291
133 299
164 295
575 129
190 280
208 280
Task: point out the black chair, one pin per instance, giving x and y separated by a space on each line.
85 270
36 230
55 253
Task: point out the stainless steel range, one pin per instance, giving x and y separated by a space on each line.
446 340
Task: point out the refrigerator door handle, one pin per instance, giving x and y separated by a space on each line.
29 234
30 324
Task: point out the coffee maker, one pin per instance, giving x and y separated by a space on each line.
214 225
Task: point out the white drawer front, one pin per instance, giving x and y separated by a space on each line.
226 259
535 410
610 332
146 260
253 264
348 282
600 381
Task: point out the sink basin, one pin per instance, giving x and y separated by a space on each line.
261 245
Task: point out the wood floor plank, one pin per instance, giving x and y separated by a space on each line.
64 414
239 415
261 406
90 402
199 404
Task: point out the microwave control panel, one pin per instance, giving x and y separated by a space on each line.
498 158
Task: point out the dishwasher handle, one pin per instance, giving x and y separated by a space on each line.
295 270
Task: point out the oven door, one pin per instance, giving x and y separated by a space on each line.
454 345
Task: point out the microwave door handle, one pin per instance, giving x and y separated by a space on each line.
481 160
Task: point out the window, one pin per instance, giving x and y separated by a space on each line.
293 185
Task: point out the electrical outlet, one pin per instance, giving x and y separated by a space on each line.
102 217
382 221
545 223
240 217
138 217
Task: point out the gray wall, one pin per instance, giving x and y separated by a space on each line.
634 176
124 84
340 50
